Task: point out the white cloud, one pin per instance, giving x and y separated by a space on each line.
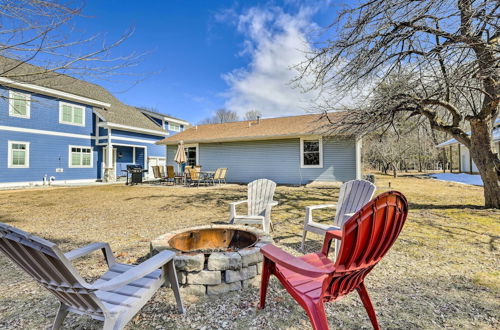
275 41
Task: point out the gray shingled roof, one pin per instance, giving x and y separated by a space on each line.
118 113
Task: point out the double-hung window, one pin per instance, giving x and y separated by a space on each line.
71 114
19 154
174 127
19 104
80 156
311 153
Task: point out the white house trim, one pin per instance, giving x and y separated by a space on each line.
44 132
311 138
11 104
132 139
53 92
9 156
81 166
358 159
163 117
132 129
73 106
40 183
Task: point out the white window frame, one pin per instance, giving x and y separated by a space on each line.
9 156
73 106
194 145
177 127
11 104
70 165
317 138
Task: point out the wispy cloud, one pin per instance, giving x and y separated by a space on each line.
275 42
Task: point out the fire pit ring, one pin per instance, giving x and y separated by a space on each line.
215 259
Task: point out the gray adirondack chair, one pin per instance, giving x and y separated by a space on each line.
114 298
260 201
353 195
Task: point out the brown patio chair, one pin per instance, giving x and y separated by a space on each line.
222 176
195 177
157 173
114 298
216 176
170 174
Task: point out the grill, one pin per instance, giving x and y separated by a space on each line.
135 172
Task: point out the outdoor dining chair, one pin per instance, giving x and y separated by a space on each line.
157 173
353 195
195 177
114 298
260 202
222 175
314 279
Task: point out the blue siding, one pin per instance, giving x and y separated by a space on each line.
44 115
46 154
278 160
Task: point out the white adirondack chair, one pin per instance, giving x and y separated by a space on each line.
353 195
260 201
114 298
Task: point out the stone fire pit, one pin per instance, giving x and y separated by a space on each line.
214 259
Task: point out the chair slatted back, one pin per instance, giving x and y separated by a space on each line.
170 172
194 174
43 261
187 168
260 193
353 195
161 168
223 172
156 171
366 238
217 174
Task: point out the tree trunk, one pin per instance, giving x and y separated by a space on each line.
487 161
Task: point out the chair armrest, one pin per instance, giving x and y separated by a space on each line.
237 203
331 234
280 257
137 272
321 206
273 203
85 250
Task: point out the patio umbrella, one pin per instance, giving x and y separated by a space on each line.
180 155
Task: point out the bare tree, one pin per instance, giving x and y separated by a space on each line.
41 32
253 115
436 59
221 116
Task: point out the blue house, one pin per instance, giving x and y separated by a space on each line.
290 150
59 128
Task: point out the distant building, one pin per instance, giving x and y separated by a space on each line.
289 150
465 162
54 125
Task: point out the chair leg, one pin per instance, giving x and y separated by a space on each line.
317 315
264 281
174 284
303 240
110 324
61 315
363 294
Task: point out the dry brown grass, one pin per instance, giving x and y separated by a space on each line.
442 272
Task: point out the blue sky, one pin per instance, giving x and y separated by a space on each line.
205 55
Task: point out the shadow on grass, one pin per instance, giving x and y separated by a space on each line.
416 206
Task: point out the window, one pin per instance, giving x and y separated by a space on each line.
19 154
191 156
80 156
71 114
311 153
19 104
174 127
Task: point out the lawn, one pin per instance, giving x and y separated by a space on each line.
442 272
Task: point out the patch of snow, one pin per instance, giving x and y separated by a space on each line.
474 179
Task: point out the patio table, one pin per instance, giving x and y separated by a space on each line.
207 175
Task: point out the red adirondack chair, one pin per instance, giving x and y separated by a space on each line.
314 279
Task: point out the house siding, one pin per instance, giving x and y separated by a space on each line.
277 160
46 153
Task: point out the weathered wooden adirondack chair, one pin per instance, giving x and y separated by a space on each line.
114 298
353 195
314 279
260 201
